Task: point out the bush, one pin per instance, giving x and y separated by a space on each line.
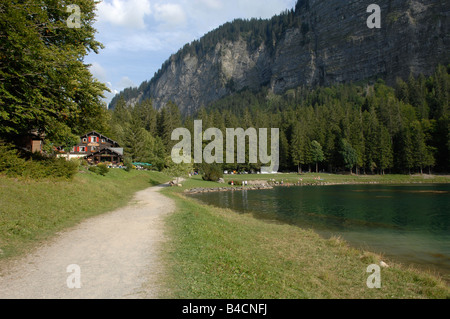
102 169
10 162
93 169
212 172
128 164
84 163
35 166
59 167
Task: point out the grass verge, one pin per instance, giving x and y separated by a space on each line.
32 211
219 254
313 178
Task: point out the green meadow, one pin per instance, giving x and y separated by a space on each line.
32 211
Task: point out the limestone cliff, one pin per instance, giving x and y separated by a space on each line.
322 42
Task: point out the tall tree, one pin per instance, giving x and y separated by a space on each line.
371 133
349 155
385 155
316 154
421 152
170 119
148 115
299 147
44 82
404 150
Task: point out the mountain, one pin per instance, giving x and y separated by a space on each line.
320 42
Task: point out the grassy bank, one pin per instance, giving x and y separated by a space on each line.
217 253
32 211
325 178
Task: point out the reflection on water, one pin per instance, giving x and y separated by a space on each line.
407 223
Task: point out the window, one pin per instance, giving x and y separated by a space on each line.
93 149
85 140
103 140
93 139
83 149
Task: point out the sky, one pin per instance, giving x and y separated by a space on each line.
139 35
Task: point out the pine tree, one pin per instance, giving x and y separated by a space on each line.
372 139
420 151
316 154
385 156
299 147
349 154
148 115
404 150
170 119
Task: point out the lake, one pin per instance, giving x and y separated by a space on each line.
406 223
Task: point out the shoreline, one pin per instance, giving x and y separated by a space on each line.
272 185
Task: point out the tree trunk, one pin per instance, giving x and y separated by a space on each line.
317 167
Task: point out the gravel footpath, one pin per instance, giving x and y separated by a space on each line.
116 256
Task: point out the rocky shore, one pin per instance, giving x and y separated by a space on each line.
270 185
227 189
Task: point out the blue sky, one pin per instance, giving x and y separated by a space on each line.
139 35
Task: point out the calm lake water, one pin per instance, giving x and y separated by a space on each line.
409 224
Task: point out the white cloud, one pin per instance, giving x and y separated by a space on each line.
124 13
98 71
135 42
211 4
170 15
125 82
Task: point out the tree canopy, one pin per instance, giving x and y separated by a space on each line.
44 83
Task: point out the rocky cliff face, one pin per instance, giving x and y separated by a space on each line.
333 45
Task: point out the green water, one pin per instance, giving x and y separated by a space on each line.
409 224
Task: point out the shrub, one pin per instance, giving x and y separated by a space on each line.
212 172
10 162
84 163
128 164
102 169
63 168
35 166
93 169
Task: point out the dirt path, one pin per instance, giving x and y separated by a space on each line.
117 255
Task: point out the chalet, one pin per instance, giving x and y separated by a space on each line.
97 148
